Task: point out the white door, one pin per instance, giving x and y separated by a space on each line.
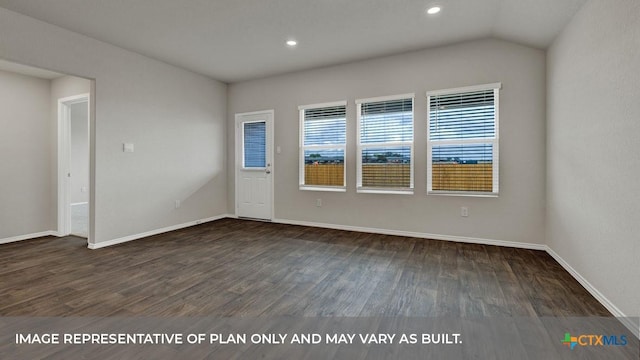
254 160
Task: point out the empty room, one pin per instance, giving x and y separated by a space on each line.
319 179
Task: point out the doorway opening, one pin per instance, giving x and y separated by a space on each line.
73 165
38 109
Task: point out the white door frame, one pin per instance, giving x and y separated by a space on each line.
64 153
239 152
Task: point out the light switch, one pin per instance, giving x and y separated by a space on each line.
278 150
127 147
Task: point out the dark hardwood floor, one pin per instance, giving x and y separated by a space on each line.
235 267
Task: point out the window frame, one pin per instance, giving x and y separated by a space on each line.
303 147
360 146
496 87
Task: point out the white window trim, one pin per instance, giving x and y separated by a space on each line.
323 188
495 86
244 167
495 141
376 190
323 105
385 98
302 148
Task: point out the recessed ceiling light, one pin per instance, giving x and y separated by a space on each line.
292 43
434 10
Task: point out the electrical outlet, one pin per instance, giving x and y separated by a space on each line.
318 202
464 211
83 189
177 204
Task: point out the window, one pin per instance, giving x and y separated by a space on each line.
323 129
254 144
462 141
385 144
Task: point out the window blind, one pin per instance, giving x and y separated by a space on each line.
463 141
254 144
385 147
386 121
323 146
463 116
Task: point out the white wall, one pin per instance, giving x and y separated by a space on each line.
25 197
517 215
66 86
175 118
593 132
79 156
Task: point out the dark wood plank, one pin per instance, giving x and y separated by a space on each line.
244 268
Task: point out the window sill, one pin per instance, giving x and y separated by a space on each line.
385 191
463 194
323 188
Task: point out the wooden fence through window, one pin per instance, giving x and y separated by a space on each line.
446 176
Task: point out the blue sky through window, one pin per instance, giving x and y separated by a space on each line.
324 132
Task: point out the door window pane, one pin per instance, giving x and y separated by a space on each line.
254 144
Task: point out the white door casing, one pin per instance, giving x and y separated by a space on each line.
254 165
64 149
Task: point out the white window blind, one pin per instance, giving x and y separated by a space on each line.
463 140
254 144
323 129
385 144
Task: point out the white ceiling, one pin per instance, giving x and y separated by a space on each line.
235 40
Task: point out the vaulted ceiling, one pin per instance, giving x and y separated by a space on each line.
235 40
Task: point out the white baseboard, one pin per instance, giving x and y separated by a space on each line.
121 240
626 321
463 239
28 236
